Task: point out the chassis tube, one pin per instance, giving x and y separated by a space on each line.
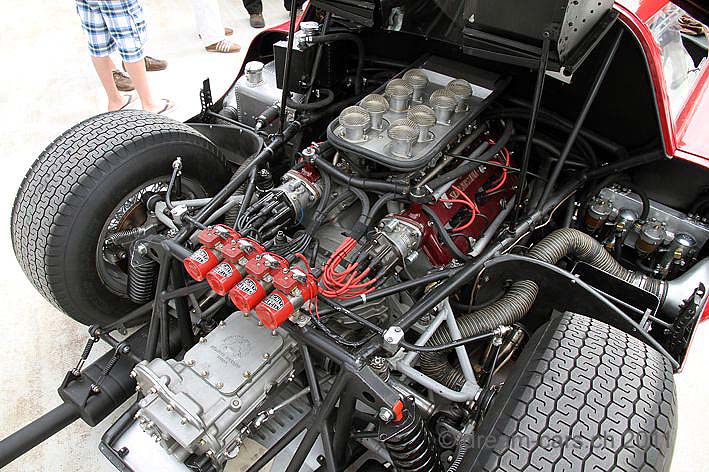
36 432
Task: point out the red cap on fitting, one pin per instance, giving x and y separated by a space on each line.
245 247
218 234
274 309
200 262
223 277
258 267
247 294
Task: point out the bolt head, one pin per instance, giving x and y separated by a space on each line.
385 414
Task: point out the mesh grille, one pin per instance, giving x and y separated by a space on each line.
460 88
374 103
354 116
399 88
416 77
422 115
443 98
403 130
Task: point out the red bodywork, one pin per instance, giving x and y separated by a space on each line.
686 136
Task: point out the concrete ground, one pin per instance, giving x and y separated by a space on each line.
46 86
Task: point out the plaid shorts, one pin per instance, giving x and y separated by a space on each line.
114 24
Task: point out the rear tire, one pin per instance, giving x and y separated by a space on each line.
74 185
582 396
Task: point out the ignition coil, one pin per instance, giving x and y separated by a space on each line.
209 254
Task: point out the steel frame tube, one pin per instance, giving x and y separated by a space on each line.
598 81
536 104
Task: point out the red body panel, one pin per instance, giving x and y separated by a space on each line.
687 136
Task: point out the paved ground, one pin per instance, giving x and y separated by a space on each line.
46 86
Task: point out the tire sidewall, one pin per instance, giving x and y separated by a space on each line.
84 295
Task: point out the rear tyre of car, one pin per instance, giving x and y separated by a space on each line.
583 396
72 189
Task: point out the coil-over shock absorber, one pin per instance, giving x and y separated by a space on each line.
142 275
409 442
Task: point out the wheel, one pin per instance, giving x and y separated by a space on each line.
582 396
86 187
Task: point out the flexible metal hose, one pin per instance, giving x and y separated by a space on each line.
581 246
506 311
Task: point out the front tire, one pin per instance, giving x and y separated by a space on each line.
73 187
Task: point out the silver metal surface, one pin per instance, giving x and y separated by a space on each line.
254 73
376 105
425 119
418 80
449 123
404 364
144 454
300 192
462 90
252 99
197 406
444 104
399 92
354 121
673 220
402 135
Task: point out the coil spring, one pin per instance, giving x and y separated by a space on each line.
410 443
142 280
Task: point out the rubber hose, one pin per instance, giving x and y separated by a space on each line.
470 166
316 105
452 246
360 182
581 246
505 312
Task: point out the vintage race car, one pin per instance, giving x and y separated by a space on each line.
412 235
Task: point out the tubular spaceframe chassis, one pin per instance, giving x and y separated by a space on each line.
89 393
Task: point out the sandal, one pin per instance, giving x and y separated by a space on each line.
169 106
223 46
130 100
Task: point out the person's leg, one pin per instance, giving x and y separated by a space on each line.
101 44
253 6
104 68
139 76
210 27
126 24
255 9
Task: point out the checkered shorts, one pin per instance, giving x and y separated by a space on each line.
114 24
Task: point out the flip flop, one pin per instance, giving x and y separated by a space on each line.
130 100
169 106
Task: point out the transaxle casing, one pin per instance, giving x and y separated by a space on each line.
197 405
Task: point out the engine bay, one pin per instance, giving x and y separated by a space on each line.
391 236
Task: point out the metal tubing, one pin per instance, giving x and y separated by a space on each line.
36 432
313 431
317 402
460 350
491 230
536 104
285 440
343 426
598 81
286 71
184 321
